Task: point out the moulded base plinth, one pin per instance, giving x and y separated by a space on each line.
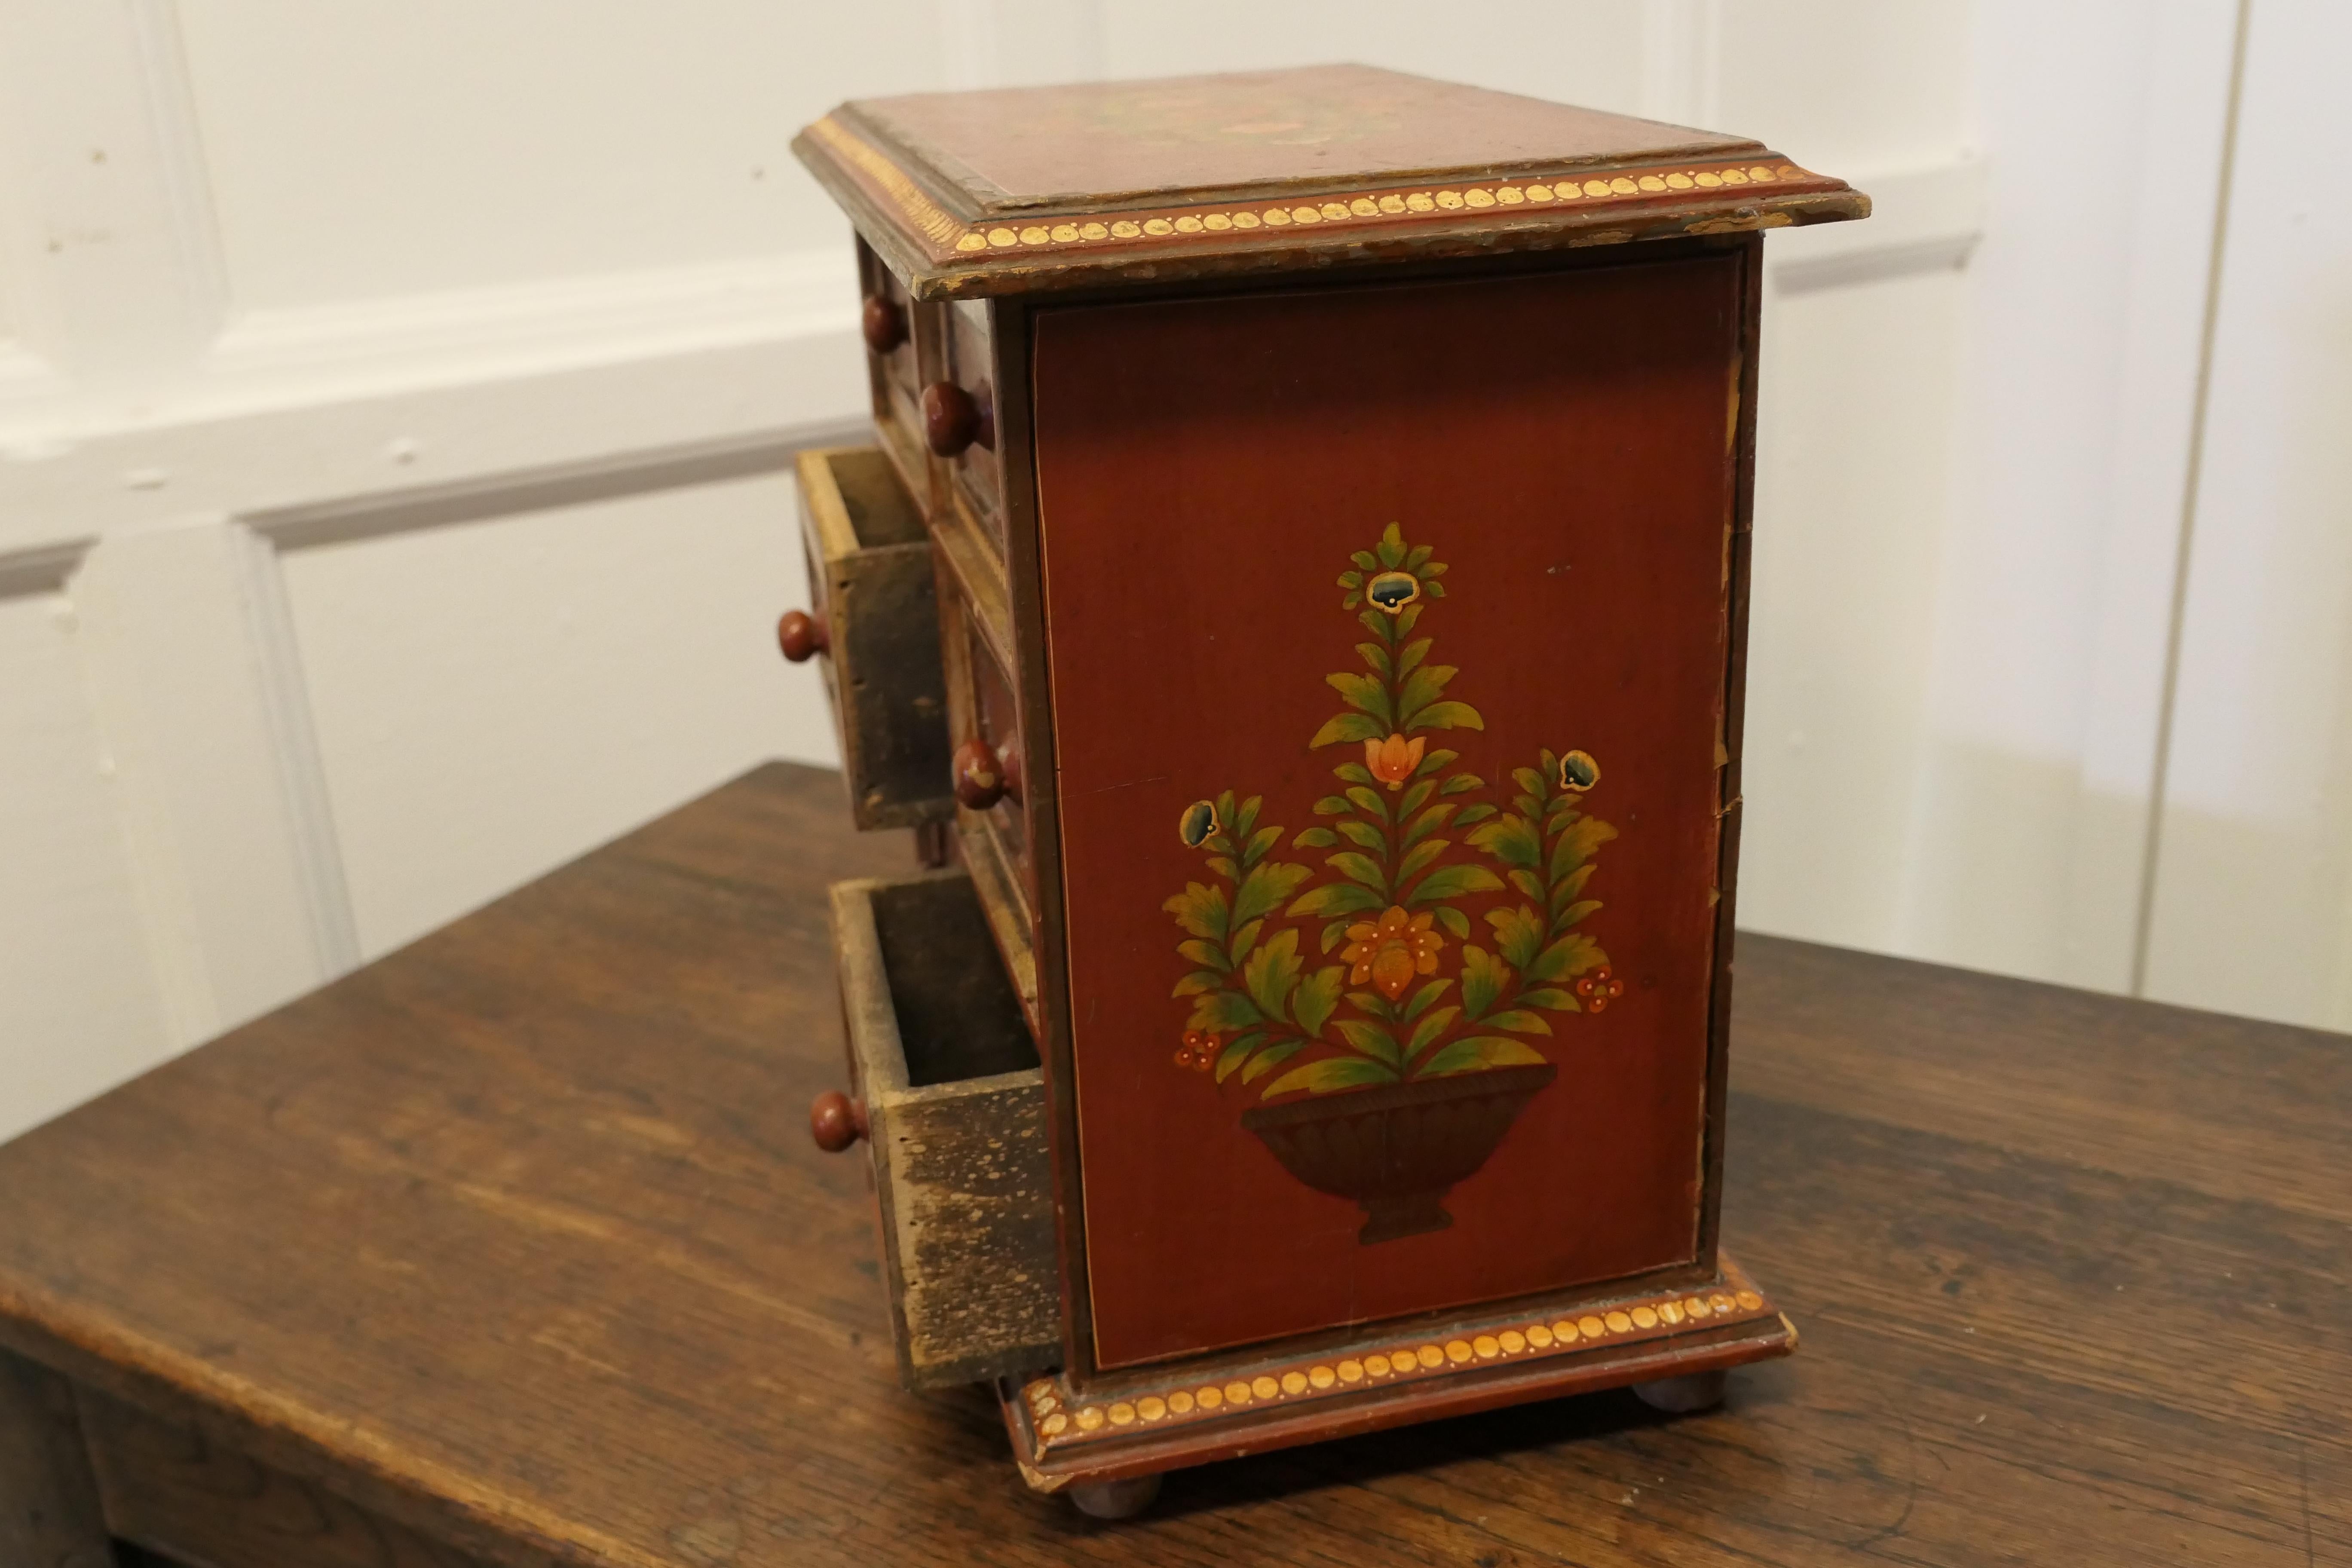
1672 1344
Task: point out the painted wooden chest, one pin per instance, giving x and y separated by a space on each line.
1333 492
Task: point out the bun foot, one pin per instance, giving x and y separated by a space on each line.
1681 1395
1115 1499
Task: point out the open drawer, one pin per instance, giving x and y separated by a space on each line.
952 1106
875 619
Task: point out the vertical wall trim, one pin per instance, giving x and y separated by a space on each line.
285 695
968 43
1681 56
181 170
2184 542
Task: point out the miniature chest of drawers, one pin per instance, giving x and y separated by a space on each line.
1327 491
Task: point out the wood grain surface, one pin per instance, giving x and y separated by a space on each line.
516 1241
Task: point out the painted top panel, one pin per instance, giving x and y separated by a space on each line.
1024 188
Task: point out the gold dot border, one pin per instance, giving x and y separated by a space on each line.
1371 207
1057 1418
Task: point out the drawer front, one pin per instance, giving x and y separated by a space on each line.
955 1111
875 619
901 342
974 472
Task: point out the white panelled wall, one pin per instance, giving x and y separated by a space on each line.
395 399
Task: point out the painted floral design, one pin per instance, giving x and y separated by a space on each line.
1413 858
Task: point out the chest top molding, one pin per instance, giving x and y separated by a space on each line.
1017 189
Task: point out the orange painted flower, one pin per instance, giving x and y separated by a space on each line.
1598 989
1393 759
1391 952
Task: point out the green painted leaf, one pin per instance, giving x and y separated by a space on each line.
1412 798
1220 1011
1423 998
1199 908
1528 780
1380 624
1452 883
1200 980
1246 817
1210 954
1263 840
1462 783
1483 979
1574 913
1225 809
1518 934
1359 867
1434 590
1351 579
1455 921
1428 822
1333 899
1245 937
1434 759
1313 839
1373 1004
1571 956
1225 868
1375 655
1332 805
1369 1038
1368 802
1546 764
1479 812
1566 888
1365 693
1392 546
1414 652
1355 596
1270 974
1273 1056
1236 1052
1478 1054
1576 844
1520 1022
1347 727
1417 858
1262 890
1550 996
1354 773
1525 881
1316 995
1367 560
1322 1078
1420 689
1365 833
1435 1025
1511 840
1434 569
1420 552
1447 716
1404 620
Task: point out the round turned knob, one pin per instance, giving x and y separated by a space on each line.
984 775
955 420
801 635
884 324
835 1120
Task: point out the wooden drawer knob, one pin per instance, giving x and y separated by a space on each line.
835 1120
955 420
800 635
883 323
985 775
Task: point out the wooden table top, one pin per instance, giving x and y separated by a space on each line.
518 1236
